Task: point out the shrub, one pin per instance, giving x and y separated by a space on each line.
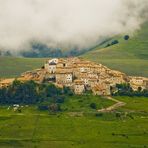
126 90
118 115
54 107
98 114
108 45
43 106
67 91
93 105
60 100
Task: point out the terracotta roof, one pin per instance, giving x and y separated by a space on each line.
99 87
79 82
138 78
52 63
63 71
93 79
23 79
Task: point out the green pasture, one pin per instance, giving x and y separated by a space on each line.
37 129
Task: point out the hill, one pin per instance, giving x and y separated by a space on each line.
129 56
12 67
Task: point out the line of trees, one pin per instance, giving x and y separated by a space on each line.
114 42
126 90
33 93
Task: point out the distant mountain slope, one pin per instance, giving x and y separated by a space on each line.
128 56
12 67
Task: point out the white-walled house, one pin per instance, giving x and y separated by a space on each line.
50 67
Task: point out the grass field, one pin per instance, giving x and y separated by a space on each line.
135 103
129 56
36 129
12 67
82 103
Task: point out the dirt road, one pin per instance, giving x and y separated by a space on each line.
113 107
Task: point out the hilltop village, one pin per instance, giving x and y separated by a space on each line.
80 75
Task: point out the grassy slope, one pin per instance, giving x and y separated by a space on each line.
129 56
12 67
32 128
135 103
82 104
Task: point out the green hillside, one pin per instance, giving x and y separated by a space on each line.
12 67
129 56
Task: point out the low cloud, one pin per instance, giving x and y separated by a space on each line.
67 23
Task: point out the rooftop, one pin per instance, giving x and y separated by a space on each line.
52 63
79 82
64 70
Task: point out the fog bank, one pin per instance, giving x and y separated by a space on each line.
67 23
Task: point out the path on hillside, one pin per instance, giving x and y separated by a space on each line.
112 107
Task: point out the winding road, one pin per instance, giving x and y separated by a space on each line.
113 107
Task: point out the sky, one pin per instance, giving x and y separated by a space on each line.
67 23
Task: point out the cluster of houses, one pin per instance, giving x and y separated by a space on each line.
81 76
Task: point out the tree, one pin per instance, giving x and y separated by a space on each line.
60 99
67 91
43 106
52 90
126 37
3 96
126 90
114 42
31 93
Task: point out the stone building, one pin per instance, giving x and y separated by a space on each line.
145 83
64 77
6 82
101 89
91 74
37 75
51 67
139 82
79 87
